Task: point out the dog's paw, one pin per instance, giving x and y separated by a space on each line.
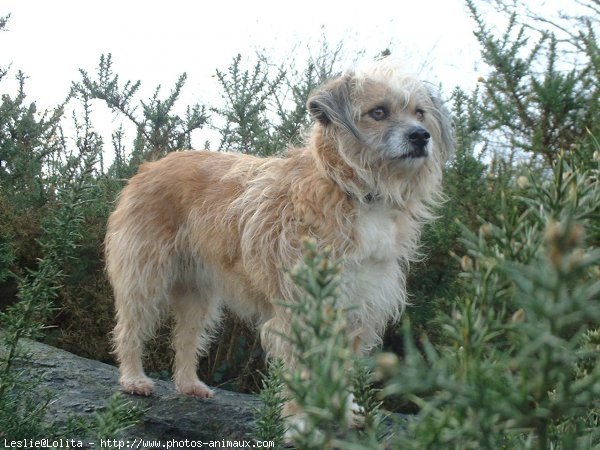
137 386
195 389
355 414
296 425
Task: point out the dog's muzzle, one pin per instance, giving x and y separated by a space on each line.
418 137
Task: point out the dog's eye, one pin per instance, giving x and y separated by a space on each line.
420 113
379 113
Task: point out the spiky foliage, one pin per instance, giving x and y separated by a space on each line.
159 129
246 93
535 101
319 383
325 372
50 182
270 425
264 107
508 375
116 416
20 412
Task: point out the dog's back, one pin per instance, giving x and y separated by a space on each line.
149 224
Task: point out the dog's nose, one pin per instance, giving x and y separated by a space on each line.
419 137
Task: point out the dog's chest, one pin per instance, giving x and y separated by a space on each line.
378 233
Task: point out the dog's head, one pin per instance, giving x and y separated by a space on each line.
388 127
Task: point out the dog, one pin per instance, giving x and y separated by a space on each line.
197 231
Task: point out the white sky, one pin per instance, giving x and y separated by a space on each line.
155 41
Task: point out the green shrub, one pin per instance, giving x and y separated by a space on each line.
270 425
509 373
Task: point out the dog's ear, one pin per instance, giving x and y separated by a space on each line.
330 100
331 104
444 120
319 103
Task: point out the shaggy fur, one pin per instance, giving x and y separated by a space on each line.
200 230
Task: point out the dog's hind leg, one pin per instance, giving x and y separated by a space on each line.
195 318
136 321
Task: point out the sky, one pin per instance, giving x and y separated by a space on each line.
156 41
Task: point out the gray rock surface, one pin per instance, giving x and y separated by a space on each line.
81 386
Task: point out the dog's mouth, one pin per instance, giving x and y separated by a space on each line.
415 153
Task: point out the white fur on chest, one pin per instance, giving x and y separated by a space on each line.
373 280
377 233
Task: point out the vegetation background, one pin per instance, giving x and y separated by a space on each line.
500 349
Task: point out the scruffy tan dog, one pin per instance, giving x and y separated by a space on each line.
200 230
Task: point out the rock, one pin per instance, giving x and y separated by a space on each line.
81 386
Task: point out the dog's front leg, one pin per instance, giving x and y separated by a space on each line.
278 348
